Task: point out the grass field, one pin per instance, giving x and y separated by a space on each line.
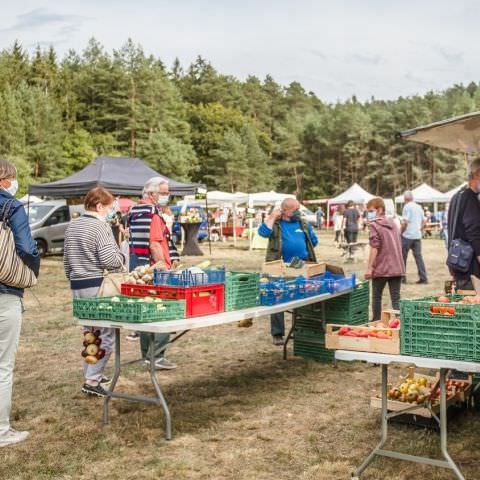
239 411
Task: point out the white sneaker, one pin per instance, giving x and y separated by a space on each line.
12 437
162 364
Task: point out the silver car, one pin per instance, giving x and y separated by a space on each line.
48 221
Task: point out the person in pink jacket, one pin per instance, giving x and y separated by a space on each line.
385 263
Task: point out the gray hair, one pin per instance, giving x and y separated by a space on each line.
7 169
473 167
286 201
408 196
153 185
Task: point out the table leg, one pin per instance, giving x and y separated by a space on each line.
116 374
443 425
289 336
384 431
158 390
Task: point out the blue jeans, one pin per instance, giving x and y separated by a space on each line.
277 324
416 247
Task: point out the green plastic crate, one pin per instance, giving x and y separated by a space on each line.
357 318
311 347
242 290
128 309
309 323
425 334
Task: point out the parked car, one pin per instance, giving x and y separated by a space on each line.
177 229
308 215
48 221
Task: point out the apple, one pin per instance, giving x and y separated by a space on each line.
98 341
92 349
84 353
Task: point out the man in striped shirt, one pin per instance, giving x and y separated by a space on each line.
148 245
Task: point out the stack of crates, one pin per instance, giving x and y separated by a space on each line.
310 320
350 309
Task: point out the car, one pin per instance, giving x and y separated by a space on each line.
48 221
177 229
308 215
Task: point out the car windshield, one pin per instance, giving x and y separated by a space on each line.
37 212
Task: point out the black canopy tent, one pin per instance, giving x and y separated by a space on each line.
121 175
460 134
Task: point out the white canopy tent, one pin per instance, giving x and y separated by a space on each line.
267 198
355 193
426 194
453 191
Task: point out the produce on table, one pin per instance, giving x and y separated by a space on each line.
92 352
366 331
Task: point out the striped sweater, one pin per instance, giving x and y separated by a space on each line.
89 250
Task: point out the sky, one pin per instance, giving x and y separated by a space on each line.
339 48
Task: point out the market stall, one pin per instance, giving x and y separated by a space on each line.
155 301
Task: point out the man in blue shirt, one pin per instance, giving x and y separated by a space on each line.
412 228
289 236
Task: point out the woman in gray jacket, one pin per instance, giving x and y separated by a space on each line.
89 250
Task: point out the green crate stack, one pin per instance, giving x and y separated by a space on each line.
128 309
425 334
351 308
242 290
311 346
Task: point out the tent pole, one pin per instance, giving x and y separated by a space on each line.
328 215
234 224
208 224
250 223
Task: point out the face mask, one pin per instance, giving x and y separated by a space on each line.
296 216
110 215
12 189
371 216
163 200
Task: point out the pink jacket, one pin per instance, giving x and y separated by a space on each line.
385 237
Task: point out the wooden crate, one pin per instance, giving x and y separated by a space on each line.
361 344
422 411
279 268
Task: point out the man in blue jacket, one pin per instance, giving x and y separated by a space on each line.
11 300
289 236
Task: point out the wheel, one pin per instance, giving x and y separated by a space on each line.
42 247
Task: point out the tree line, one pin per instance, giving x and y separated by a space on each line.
197 124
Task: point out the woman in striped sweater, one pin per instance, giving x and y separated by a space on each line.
89 250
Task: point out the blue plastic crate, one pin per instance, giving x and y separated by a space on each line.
315 286
279 290
338 283
189 279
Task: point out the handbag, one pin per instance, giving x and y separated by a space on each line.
13 271
112 283
460 252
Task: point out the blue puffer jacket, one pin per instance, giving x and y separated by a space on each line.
25 245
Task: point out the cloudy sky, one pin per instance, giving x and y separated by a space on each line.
381 48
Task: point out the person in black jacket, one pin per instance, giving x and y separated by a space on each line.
467 203
11 307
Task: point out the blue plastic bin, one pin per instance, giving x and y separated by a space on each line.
189 279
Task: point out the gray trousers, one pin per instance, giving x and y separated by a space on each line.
416 247
95 372
10 325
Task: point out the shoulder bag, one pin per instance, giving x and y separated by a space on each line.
460 252
13 272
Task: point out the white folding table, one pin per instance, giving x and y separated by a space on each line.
183 326
385 360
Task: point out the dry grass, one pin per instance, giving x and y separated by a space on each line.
240 412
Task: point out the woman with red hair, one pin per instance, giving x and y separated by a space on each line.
385 263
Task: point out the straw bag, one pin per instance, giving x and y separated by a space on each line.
13 272
112 283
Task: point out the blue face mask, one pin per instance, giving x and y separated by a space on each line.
371 216
296 216
110 216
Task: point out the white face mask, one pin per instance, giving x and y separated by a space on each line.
12 189
163 200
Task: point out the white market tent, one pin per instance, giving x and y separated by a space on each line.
453 191
426 194
355 193
267 198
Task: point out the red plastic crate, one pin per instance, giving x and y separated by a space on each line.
202 300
